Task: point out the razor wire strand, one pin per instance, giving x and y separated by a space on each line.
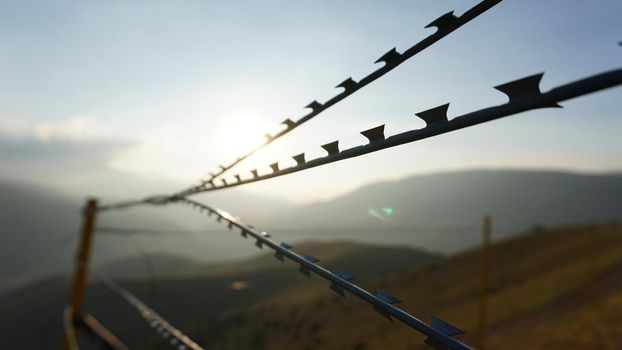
166 330
524 95
439 333
444 24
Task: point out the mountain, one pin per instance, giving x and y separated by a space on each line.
32 221
32 314
516 200
439 212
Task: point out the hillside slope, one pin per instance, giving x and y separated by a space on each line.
538 300
199 292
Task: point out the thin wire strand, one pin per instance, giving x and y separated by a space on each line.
133 231
157 322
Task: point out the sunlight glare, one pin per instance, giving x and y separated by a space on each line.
243 134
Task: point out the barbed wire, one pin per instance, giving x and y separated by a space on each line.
439 333
444 24
166 330
524 95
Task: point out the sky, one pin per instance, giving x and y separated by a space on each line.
124 97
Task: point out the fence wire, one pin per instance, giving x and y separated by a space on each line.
439 333
524 95
160 325
444 24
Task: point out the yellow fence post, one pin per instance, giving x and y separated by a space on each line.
483 282
81 268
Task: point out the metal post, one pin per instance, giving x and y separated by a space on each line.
484 281
81 268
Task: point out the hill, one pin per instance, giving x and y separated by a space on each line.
38 227
539 299
517 199
439 212
199 292
443 211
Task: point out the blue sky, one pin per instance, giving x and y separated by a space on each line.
166 90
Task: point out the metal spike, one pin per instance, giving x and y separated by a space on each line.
374 134
275 167
391 57
332 148
279 255
255 174
528 86
219 218
383 312
337 289
237 177
222 168
315 106
443 21
311 258
445 327
434 115
230 226
299 158
286 246
344 275
243 233
348 84
304 270
288 123
387 298
224 182
259 244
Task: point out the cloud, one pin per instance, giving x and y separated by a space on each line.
74 128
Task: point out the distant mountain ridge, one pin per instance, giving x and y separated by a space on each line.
34 220
515 198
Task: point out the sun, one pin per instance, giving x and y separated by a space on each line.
240 135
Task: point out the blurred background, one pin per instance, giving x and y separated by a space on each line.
123 99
